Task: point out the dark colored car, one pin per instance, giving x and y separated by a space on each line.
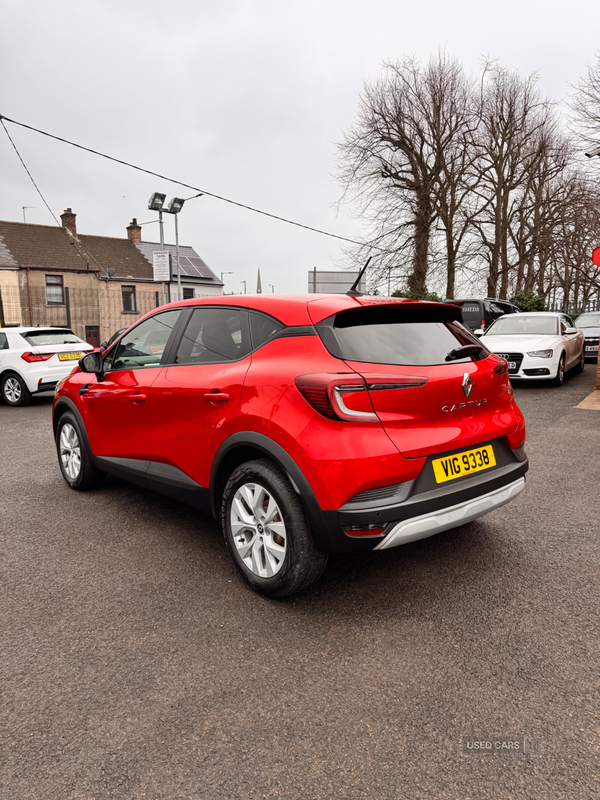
305 424
479 314
589 324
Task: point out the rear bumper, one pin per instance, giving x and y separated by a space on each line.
422 508
412 530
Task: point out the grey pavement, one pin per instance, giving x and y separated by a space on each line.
136 664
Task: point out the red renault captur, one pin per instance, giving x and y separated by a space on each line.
305 424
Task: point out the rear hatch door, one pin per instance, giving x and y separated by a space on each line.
426 404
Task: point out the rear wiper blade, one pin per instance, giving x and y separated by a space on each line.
464 351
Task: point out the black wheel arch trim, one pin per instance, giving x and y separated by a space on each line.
283 459
69 405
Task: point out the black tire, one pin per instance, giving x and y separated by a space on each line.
86 476
14 390
560 372
580 366
281 542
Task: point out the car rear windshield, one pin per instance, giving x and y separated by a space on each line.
36 338
518 325
471 312
402 336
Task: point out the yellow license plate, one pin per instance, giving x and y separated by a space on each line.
451 467
69 356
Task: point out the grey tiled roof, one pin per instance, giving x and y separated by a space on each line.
190 263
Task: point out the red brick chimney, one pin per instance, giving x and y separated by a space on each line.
134 231
68 221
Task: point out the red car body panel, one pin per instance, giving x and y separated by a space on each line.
187 426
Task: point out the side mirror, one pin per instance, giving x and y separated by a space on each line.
93 362
478 332
570 331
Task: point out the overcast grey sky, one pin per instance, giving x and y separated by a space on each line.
245 98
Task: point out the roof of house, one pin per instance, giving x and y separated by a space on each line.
190 263
53 247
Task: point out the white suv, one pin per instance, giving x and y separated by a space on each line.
34 360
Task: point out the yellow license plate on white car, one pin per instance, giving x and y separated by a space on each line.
69 356
465 463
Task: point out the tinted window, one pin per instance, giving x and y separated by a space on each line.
144 345
214 335
472 314
396 336
522 325
3 342
51 337
262 328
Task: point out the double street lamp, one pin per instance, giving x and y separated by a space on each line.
156 203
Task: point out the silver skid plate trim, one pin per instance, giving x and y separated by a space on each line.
429 524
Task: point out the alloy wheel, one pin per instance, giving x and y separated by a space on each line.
12 390
70 451
258 530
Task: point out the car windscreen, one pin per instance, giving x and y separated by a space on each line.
518 325
40 337
402 336
588 320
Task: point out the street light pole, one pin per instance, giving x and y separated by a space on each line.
179 294
272 288
244 282
162 247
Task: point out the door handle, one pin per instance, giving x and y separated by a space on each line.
137 397
216 395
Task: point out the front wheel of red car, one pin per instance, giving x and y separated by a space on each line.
267 533
75 460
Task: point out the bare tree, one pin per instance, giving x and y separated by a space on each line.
513 116
586 105
403 159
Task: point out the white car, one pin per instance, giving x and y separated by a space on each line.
34 360
539 345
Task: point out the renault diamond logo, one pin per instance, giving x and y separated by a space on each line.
467 384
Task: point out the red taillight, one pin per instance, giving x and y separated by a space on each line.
36 356
377 383
482 325
364 530
501 368
347 396
330 393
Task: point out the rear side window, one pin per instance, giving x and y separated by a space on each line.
39 337
213 336
263 328
406 337
3 342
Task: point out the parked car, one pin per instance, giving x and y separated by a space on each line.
304 424
537 345
34 360
589 324
479 314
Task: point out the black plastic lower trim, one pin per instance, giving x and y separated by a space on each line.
158 477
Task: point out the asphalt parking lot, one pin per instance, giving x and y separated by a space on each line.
136 664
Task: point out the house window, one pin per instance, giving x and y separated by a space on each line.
128 294
188 294
55 295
